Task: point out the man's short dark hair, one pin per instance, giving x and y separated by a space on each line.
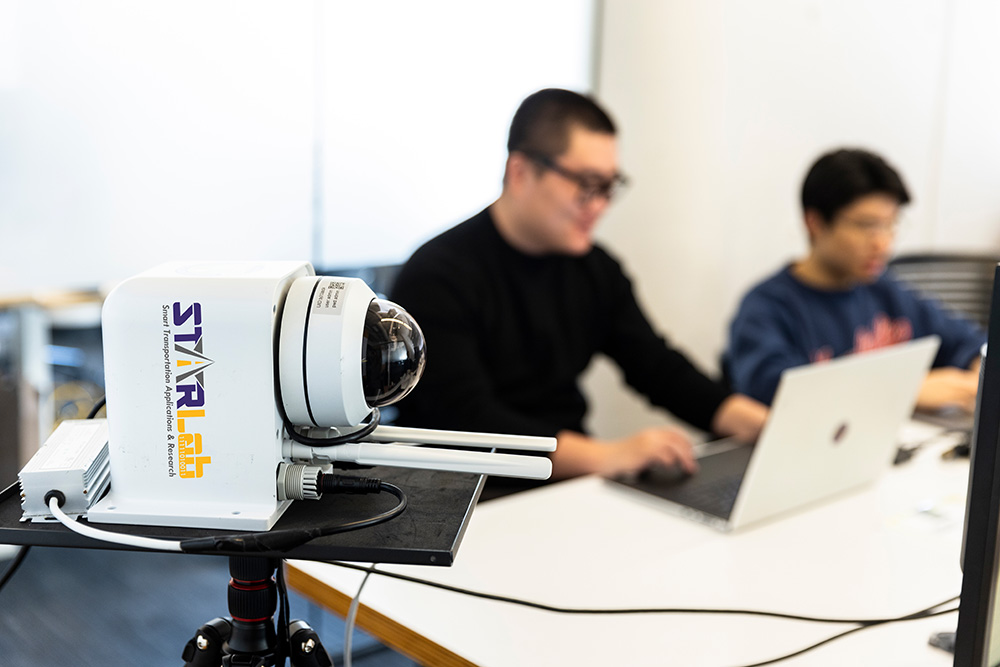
542 123
840 177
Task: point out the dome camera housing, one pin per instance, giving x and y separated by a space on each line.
342 352
393 354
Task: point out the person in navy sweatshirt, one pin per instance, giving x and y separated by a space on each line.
839 299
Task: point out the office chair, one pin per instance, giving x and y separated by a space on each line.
961 282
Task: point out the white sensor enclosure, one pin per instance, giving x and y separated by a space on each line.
320 351
194 433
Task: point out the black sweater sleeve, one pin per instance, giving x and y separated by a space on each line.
650 365
509 335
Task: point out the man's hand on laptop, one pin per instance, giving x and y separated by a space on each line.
949 387
578 454
650 447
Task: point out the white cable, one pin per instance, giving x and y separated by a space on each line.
107 536
352 614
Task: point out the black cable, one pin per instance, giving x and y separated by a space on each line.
14 564
862 624
284 640
97 407
638 610
283 540
909 617
353 436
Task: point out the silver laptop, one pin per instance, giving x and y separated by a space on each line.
832 428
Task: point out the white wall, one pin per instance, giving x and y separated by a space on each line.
134 133
418 97
722 106
345 133
969 162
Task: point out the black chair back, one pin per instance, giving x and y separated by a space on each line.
963 283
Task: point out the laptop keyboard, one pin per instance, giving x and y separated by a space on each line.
711 491
716 498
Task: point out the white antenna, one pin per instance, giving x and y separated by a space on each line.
399 447
427 436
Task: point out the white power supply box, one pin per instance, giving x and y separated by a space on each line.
74 461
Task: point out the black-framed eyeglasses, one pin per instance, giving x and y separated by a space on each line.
590 186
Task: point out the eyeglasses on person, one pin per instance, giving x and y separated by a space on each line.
590 186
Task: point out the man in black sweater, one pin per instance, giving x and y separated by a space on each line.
515 302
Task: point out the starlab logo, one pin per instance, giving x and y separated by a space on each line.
189 386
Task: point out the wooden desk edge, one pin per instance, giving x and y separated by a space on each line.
383 628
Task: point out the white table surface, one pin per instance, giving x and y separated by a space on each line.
888 550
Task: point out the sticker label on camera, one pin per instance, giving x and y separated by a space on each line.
330 297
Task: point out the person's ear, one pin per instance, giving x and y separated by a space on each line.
518 167
816 224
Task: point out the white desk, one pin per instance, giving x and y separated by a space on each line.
889 550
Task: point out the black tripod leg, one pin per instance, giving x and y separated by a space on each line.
205 648
306 650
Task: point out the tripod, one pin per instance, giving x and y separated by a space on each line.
248 638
